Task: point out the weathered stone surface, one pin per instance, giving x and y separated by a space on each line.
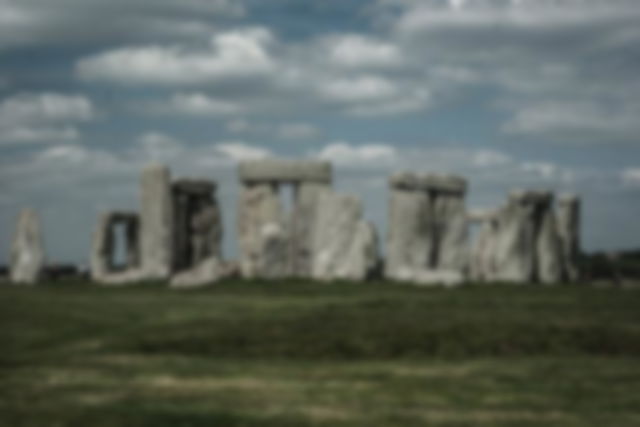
569 233
302 223
197 224
103 245
206 272
409 240
27 253
263 233
428 236
156 218
483 268
280 170
515 241
429 182
548 246
452 230
344 246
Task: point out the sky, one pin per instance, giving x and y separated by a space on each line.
510 94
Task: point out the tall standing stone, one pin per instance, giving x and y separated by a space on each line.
263 233
427 238
515 241
156 222
27 253
344 246
303 219
548 245
408 240
275 243
569 232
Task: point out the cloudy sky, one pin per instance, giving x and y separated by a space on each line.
509 93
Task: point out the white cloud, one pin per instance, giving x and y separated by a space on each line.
366 155
371 95
358 51
194 104
158 146
233 54
544 170
39 134
631 177
51 107
36 117
297 131
239 151
490 158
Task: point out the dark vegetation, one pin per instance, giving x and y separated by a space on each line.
297 353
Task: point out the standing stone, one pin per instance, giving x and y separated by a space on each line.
515 243
548 245
157 222
483 268
102 249
569 232
427 239
263 234
451 218
27 253
302 223
408 242
344 246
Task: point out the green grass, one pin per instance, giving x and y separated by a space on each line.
304 354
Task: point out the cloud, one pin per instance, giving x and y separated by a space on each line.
585 121
297 131
232 55
371 95
58 22
631 177
194 104
38 117
359 51
366 155
239 151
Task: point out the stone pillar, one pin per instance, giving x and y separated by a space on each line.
516 240
569 232
274 243
303 219
27 253
548 244
102 252
263 235
409 243
102 248
344 246
156 222
453 235
427 239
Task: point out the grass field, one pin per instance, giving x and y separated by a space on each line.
302 354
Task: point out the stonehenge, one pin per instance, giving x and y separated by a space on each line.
427 231
176 236
27 255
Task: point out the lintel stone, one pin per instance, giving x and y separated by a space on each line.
279 170
428 182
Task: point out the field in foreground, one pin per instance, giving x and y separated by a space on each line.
301 354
